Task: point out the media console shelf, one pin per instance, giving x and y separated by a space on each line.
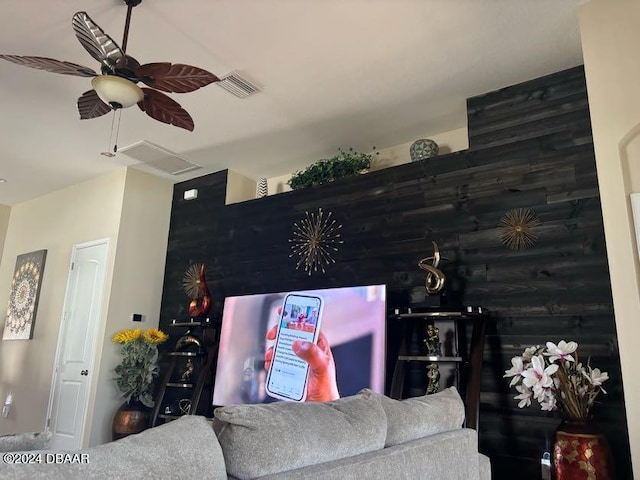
452 351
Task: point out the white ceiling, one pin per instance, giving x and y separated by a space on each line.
335 73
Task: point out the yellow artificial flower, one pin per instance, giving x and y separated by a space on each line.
155 336
126 336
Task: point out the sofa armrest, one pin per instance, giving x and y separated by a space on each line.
181 449
22 442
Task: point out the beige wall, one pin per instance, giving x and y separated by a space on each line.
55 222
611 48
130 208
138 276
239 188
5 211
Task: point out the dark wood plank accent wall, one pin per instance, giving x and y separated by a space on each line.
530 147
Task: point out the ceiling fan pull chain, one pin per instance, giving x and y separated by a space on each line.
117 113
114 127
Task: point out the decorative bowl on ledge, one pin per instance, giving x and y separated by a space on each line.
422 149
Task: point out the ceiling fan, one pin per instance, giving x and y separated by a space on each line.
116 85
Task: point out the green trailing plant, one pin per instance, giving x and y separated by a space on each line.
344 164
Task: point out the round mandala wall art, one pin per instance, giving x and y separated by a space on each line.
23 297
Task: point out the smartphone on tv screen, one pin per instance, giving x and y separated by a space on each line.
299 320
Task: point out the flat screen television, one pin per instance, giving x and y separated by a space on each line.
352 321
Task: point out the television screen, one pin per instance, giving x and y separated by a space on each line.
318 345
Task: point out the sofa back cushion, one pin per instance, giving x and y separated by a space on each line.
266 439
420 417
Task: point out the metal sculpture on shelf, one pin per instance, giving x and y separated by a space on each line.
434 283
432 342
516 228
195 287
187 340
314 241
433 377
188 371
184 404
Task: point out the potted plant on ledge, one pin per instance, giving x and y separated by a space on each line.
346 163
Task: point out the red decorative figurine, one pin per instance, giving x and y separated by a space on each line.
196 287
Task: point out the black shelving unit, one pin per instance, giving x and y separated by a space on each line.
461 356
197 345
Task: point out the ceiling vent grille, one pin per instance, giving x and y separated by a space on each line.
158 157
238 84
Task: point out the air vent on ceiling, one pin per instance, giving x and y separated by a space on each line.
238 84
158 157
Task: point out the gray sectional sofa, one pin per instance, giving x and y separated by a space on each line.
366 436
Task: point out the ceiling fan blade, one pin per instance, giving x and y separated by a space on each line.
177 78
164 109
99 45
90 106
50 65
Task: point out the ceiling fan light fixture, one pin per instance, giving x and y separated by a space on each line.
117 91
116 88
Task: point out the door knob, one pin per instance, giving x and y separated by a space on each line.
84 372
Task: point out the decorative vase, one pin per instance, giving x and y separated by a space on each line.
422 149
131 417
262 190
580 451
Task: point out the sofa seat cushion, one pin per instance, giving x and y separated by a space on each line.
24 441
420 417
268 439
449 455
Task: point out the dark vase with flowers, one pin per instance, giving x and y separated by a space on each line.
132 417
581 451
553 376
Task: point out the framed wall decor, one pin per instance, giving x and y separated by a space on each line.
23 297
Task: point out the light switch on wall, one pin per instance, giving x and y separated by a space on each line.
7 404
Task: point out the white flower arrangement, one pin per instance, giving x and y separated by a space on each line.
553 376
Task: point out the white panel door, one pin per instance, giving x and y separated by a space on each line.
76 345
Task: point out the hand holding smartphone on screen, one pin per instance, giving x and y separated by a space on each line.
299 319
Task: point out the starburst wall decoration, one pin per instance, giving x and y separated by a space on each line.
315 239
517 228
191 280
